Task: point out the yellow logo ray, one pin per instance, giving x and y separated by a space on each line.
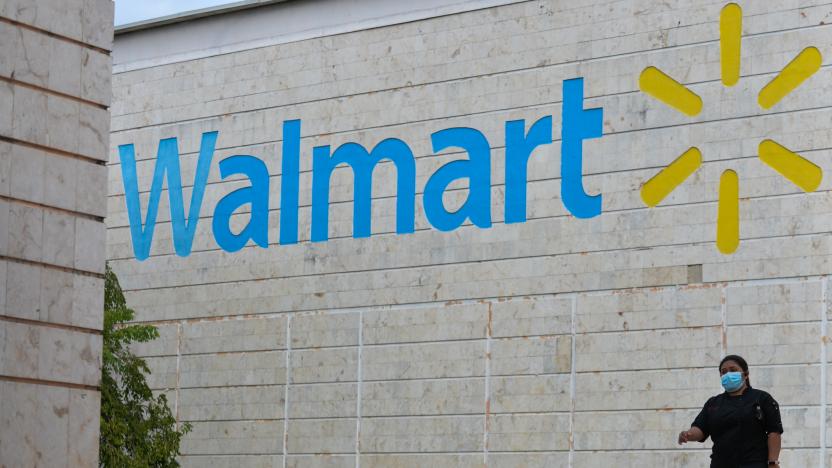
728 218
796 72
730 34
664 88
660 186
790 165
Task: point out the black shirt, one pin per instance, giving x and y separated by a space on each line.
739 426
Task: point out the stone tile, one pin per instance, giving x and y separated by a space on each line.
337 400
88 301
528 460
52 295
4 265
800 457
423 397
25 239
419 361
9 36
21 349
28 167
3 357
4 227
773 303
93 132
60 187
231 461
684 458
23 291
435 323
785 343
90 237
524 356
324 330
231 403
409 460
61 18
63 123
35 432
420 435
91 185
309 436
236 334
530 394
802 426
32 60
84 418
232 369
96 23
30 107
65 67
234 437
59 238
324 365
95 76
647 309
320 461
528 432
828 420
57 296
7 104
535 316
5 166
66 356
17 402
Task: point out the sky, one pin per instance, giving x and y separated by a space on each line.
130 11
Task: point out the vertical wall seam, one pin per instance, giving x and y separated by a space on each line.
824 332
487 413
358 391
286 387
178 372
572 383
724 313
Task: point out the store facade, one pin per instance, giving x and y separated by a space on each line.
475 233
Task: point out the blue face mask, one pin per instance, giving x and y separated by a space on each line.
732 381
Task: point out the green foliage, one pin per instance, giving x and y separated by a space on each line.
137 429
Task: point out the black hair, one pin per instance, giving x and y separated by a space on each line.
739 360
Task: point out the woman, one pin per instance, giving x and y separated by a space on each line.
743 422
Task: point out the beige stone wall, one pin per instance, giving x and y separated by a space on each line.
558 342
54 96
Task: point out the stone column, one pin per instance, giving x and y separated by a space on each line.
55 94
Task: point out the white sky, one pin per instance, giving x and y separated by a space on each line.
130 11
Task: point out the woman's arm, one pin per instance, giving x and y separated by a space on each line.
694 434
774 441
773 426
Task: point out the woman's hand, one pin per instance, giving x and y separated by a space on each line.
694 434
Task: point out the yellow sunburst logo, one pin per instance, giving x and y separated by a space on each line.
790 165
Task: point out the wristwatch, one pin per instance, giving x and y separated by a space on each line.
774 463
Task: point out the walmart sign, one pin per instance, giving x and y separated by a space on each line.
578 124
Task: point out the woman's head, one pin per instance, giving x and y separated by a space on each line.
734 363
